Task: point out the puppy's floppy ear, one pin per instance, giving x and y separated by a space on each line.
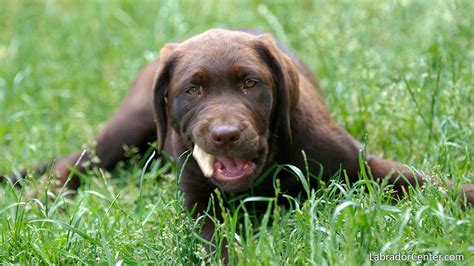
286 80
161 82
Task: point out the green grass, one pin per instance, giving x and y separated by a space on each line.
398 75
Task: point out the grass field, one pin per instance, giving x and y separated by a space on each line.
398 75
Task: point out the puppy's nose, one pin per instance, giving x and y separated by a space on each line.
224 135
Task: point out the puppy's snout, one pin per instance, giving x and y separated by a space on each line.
224 135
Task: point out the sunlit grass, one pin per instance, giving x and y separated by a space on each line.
397 74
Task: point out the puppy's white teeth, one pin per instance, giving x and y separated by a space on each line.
204 160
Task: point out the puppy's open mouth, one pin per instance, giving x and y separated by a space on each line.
223 168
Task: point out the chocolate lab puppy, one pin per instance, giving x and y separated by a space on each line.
241 103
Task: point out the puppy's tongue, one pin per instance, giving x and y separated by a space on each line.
229 166
222 167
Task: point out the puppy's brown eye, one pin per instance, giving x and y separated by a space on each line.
249 83
193 91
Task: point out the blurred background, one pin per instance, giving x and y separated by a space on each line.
397 74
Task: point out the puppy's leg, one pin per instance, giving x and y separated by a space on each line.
401 177
124 129
131 125
398 175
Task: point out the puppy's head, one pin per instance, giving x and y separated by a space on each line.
226 93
